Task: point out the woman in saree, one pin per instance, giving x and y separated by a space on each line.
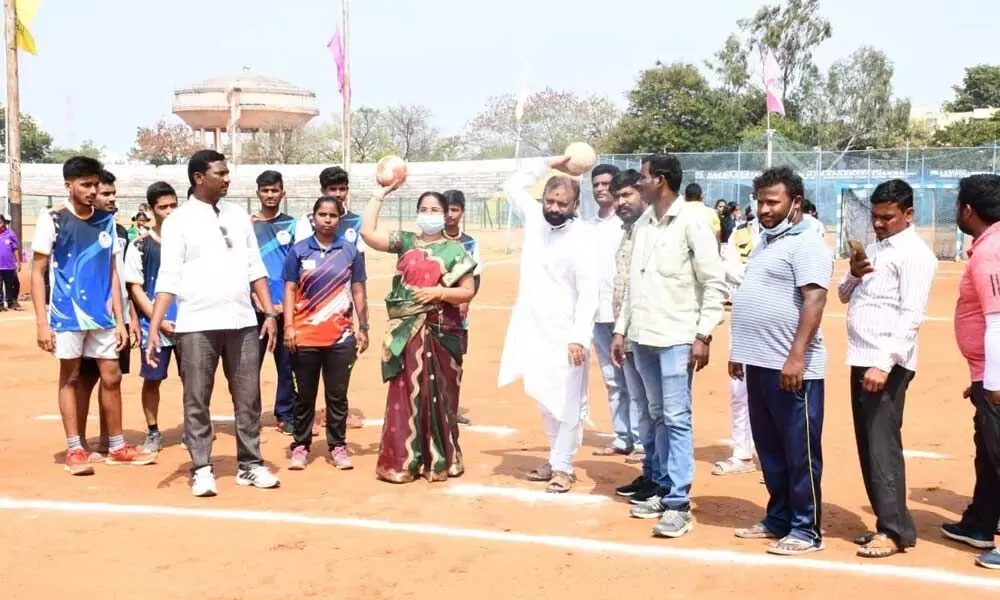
422 351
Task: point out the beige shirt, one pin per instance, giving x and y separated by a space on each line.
677 286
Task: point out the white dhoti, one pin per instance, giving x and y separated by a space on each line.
740 414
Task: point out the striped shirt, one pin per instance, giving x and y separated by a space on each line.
886 307
607 237
768 304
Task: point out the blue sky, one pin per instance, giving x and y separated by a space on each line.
107 66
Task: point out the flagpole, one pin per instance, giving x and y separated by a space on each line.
346 96
510 205
770 136
13 130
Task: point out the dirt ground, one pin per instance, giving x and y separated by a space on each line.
330 534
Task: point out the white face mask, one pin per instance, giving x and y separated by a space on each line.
430 223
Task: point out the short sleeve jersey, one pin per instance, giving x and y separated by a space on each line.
323 299
348 230
81 253
978 296
275 238
142 265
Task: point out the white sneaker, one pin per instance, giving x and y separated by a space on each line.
258 476
203 483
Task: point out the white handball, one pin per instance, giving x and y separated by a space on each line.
582 158
390 170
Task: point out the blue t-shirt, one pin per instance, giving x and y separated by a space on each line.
275 238
81 254
142 265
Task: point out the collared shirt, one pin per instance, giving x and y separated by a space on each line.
348 229
208 262
607 235
81 259
708 213
274 237
323 297
8 248
886 307
121 253
978 296
768 304
142 266
472 248
677 282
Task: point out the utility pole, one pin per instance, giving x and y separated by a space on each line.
13 132
346 96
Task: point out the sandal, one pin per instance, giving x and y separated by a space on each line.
733 466
864 539
542 473
757 532
560 483
791 546
608 451
880 546
636 457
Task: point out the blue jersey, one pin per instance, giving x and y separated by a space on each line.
81 254
142 265
348 230
275 238
472 248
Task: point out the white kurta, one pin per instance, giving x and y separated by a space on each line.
556 306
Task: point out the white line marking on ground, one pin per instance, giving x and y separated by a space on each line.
524 495
925 454
497 430
224 418
58 417
576 544
607 436
373 422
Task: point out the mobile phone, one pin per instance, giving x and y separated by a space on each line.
857 249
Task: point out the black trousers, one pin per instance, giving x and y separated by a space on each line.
335 364
11 287
983 513
878 424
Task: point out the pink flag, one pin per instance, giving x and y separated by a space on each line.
772 83
336 47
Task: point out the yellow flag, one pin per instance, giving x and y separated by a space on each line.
26 10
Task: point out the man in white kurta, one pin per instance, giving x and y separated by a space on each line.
552 323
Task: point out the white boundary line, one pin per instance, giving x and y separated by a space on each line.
906 453
524 495
577 544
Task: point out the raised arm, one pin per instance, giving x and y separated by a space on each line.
518 187
373 238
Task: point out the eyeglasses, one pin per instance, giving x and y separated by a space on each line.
225 237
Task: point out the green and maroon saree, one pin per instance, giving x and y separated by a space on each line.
422 361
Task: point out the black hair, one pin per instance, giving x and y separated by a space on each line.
692 192
808 208
339 203
624 179
896 191
106 177
333 176
982 194
454 198
604 169
780 176
81 166
436 195
139 214
157 190
199 162
270 178
668 167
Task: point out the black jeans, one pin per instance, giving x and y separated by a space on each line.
878 423
11 287
335 363
983 513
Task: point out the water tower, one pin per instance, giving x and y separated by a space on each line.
244 103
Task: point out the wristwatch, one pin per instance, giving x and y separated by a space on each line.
704 339
272 315
363 327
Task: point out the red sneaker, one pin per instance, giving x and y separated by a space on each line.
78 462
130 455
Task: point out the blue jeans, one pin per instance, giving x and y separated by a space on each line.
284 395
787 431
624 413
637 393
666 375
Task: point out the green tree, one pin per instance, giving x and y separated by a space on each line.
974 132
87 148
980 89
35 141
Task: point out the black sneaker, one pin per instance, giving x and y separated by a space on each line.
638 484
646 494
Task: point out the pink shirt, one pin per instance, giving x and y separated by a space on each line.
978 295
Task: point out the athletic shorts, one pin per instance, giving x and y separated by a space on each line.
97 343
159 372
88 366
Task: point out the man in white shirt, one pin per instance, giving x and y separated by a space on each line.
209 262
886 293
607 236
811 216
552 322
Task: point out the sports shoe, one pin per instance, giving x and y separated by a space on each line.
955 531
300 456
130 455
990 560
285 427
203 483
650 509
463 420
153 442
638 484
341 459
258 476
646 494
674 524
78 462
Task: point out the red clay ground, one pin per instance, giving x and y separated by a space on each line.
494 547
